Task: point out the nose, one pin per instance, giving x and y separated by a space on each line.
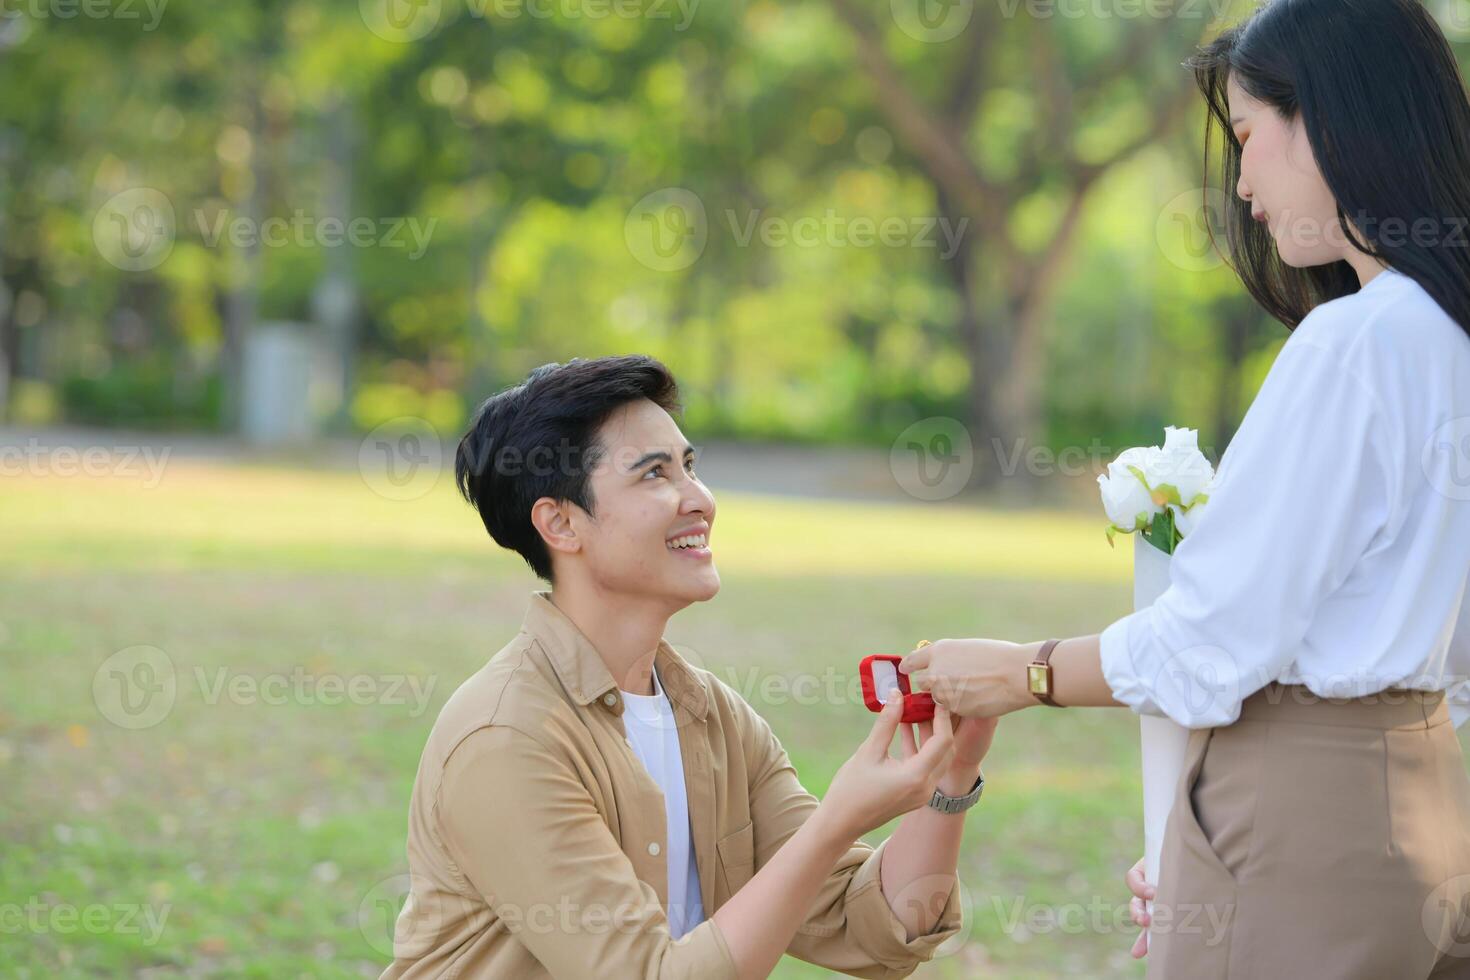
1242 189
697 499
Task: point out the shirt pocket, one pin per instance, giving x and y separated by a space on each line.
737 857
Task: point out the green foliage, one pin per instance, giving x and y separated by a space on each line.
528 141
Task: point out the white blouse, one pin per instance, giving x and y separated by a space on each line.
1335 548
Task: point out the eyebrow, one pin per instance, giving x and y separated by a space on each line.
660 457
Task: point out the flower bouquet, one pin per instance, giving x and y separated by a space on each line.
1157 492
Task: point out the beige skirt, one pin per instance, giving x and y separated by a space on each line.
1318 840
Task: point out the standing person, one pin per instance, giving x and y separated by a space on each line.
1316 635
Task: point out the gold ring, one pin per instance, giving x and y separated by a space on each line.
923 644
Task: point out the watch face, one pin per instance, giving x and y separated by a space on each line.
1037 674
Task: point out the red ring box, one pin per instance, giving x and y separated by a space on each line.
916 707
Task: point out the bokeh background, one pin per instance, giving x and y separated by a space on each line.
922 266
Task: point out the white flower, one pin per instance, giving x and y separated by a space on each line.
1187 520
1180 465
1128 503
1176 472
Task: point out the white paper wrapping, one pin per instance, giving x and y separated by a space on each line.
1163 740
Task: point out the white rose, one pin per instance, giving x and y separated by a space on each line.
1187 520
1124 496
1181 465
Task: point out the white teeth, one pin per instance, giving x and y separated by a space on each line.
689 541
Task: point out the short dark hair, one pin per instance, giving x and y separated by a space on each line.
554 416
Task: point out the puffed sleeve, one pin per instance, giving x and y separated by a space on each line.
1300 495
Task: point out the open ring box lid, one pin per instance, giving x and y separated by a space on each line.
880 673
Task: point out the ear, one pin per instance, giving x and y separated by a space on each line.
554 524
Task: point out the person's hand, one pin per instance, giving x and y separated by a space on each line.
972 740
972 678
872 788
1142 892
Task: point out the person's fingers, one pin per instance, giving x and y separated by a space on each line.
881 736
1140 946
906 737
939 750
1139 912
917 660
1136 883
924 730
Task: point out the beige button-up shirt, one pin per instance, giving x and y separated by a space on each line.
536 839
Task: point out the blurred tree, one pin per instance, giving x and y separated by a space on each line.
1026 115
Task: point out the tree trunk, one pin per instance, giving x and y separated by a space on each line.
985 345
7 350
242 299
337 308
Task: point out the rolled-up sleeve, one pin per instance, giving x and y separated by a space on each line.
526 835
851 927
1300 496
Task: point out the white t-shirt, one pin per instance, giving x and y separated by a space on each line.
654 736
1334 551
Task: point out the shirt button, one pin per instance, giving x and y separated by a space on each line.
609 699
653 848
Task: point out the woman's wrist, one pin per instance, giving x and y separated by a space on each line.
960 779
1018 677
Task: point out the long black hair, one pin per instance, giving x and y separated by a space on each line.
1384 105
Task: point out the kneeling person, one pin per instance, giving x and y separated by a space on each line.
591 805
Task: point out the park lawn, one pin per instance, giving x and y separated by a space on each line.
267 833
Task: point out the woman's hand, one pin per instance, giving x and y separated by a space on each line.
972 740
1142 892
972 678
871 788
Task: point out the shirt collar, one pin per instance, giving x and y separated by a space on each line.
582 672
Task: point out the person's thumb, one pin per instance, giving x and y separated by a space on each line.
885 725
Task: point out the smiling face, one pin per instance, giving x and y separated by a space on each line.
1280 178
648 534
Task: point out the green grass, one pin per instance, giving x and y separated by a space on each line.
262 829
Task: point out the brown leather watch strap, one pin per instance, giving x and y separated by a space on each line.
1043 659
